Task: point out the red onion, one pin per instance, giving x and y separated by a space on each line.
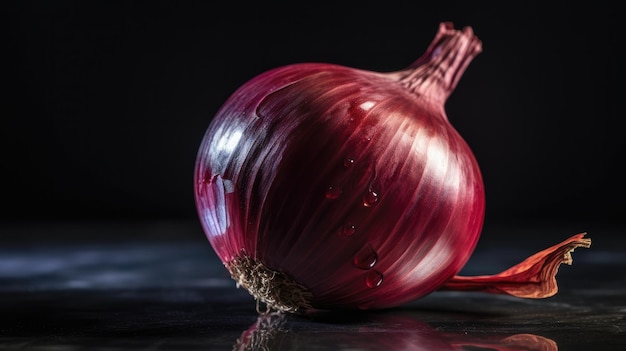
323 186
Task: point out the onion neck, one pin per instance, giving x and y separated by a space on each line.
436 73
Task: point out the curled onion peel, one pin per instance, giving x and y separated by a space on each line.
321 186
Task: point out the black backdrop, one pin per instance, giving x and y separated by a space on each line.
107 101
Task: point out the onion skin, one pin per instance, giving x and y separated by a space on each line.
350 185
535 277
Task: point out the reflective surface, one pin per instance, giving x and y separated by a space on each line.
159 286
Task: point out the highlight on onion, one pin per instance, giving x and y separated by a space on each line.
321 186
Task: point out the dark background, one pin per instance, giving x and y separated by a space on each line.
107 101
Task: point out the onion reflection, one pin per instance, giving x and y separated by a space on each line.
375 332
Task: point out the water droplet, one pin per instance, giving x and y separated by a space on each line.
205 181
348 162
207 177
333 192
373 278
366 258
348 230
370 198
358 110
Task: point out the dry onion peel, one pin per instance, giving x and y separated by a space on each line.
535 277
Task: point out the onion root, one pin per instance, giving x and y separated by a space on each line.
272 288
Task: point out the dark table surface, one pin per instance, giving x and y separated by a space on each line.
159 286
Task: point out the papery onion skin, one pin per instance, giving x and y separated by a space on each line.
352 183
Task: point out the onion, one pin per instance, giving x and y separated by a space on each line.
321 186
